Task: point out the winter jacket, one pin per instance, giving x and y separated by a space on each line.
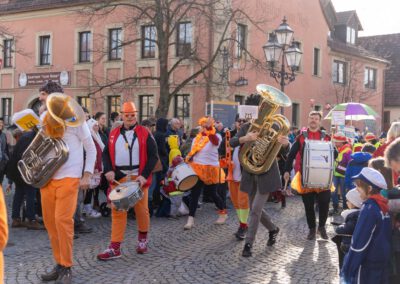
160 136
346 230
358 161
12 169
368 258
342 160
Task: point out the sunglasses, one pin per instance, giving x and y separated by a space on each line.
241 120
129 115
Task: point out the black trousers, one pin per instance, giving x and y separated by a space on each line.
196 192
322 199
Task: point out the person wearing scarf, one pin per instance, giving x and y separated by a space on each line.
369 255
204 160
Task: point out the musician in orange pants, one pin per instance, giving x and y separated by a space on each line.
3 232
131 154
59 195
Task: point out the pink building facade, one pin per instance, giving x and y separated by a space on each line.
52 42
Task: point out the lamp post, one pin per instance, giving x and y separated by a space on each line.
279 47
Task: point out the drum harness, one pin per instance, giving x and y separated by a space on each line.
128 170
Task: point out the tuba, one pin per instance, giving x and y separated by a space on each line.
257 157
45 155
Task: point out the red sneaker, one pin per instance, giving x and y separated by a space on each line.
141 247
109 253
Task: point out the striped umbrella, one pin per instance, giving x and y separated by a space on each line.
355 111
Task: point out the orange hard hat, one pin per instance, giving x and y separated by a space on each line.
128 107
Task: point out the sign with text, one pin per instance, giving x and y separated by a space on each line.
224 112
338 118
34 79
248 112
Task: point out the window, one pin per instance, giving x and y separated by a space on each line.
239 99
45 50
85 40
113 105
146 107
317 59
184 39
7 53
241 40
318 108
351 35
6 108
85 102
295 114
148 41
370 78
182 106
339 72
114 44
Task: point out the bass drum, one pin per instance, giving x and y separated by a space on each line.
184 177
318 164
126 195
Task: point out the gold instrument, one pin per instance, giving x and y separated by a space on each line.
257 157
45 155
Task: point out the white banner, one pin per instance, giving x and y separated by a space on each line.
248 112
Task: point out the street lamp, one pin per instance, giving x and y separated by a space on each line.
279 47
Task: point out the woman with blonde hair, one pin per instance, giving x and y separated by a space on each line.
393 133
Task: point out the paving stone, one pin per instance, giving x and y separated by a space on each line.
206 254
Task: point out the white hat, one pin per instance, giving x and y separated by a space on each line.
354 197
373 177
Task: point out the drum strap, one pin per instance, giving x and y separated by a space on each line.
130 147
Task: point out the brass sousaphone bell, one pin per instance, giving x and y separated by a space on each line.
257 157
45 155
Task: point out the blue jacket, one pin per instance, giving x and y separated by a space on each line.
358 161
346 230
368 258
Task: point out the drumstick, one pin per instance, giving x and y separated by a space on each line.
114 181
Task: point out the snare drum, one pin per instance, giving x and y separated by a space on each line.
184 177
126 195
318 163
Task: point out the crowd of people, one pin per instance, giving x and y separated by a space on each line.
101 158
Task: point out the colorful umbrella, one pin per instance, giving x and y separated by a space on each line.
355 111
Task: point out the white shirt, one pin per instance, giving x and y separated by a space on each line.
237 172
77 139
122 151
209 154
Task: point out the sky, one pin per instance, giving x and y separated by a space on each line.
376 16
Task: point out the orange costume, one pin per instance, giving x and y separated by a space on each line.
59 196
204 160
130 154
3 233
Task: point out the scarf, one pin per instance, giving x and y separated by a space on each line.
199 142
381 201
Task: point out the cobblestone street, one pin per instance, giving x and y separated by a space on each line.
206 254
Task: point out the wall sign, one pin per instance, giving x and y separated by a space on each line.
34 79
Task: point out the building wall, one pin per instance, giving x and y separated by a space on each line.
305 17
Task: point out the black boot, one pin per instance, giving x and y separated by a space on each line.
322 233
241 233
53 274
272 237
65 276
311 234
246 250
82 228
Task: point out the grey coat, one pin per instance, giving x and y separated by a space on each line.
265 183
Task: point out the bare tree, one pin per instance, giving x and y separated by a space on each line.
214 21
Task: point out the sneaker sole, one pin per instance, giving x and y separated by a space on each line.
109 258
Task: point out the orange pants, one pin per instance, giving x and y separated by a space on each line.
240 201
59 198
119 219
3 233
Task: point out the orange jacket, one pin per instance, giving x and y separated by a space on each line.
3 233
